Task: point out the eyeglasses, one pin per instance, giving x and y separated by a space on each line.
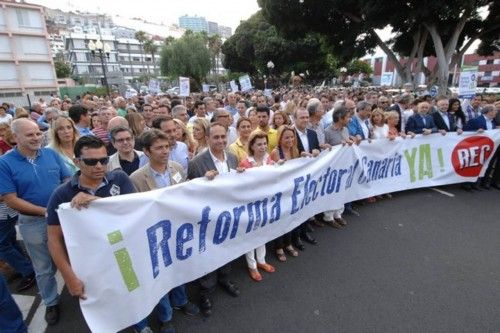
129 139
94 161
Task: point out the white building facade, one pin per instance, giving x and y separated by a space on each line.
26 65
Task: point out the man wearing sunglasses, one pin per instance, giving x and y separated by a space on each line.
90 183
28 176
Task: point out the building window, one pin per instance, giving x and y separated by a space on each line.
23 18
489 62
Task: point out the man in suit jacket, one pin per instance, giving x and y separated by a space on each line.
159 172
421 122
308 144
486 121
442 119
359 125
209 164
402 105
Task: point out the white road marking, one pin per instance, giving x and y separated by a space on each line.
451 195
24 302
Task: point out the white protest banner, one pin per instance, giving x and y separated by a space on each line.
130 250
245 83
234 86
184 88
268 92
468 82
386 79
154 86
205 88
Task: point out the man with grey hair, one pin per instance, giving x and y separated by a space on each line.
486 121
403 104
359 126
28 176
209 106
231 103
223 117
120 105
316 111
48 116
36 111
180 112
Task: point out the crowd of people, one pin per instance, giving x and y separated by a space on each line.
92 147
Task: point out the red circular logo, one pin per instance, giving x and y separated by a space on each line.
470 155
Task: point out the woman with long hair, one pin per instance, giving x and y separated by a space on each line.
200 128
252 115
182 134
455 109
63 136
239 147
136 123
7 141
280 118
286 150
257 156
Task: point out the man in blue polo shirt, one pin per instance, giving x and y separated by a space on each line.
28 176
90 183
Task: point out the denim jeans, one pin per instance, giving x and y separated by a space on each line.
10 251
11 318
33 229
176 297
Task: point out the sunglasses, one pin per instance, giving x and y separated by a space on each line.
94 161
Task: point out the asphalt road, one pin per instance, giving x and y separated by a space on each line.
420 262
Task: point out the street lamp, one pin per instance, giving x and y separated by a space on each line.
270 66
101 50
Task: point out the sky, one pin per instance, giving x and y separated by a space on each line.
224 12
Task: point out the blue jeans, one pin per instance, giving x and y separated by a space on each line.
176 296
11 319
33 229
10 251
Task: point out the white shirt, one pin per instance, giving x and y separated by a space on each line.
6 118
446 120
364 126
489 123
232 135
380 132
303 139
221 166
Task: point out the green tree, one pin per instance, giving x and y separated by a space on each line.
256 42
186 56
359 66
151 48
443 28
63 69
141 37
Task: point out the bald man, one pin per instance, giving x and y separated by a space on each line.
28 176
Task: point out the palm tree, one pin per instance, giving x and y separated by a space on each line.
141 37
214 46
151 48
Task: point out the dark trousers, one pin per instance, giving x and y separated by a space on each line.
209 281
11 319
283 241
492 174
10 250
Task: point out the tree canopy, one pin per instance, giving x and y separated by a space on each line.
441 28
256 42
63 70
187 56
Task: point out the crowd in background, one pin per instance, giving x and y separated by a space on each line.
146 142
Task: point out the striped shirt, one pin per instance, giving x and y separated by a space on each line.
6 212
102 134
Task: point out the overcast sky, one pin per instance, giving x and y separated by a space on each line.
224 12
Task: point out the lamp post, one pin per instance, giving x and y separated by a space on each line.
270 66
101 50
